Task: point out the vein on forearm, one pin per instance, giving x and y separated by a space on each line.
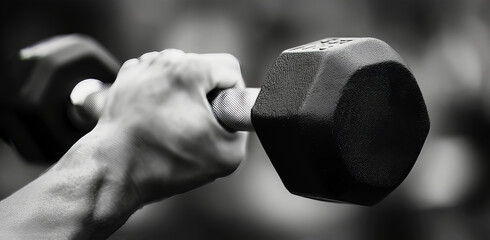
82 196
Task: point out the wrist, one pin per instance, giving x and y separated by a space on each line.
87 194
98 178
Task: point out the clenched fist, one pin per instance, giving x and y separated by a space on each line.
175 143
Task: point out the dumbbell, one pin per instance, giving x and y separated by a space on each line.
341 119
34 98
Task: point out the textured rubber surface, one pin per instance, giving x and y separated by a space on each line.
34 116
341 120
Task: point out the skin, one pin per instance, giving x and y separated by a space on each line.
156 138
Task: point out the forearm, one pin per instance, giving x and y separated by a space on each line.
84 196
156 138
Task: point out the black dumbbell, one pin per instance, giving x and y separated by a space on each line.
35 97
341 119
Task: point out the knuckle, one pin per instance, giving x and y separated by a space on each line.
148 54
168 57
231 60
129 62
190 63
231 57
170 54
188 70
172 50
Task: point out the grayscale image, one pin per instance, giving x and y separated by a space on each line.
260 119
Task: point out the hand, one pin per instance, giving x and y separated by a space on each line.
171 141
157 137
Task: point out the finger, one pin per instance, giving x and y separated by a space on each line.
225 72
130 63
148 57
224 59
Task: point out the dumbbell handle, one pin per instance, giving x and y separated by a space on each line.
232 107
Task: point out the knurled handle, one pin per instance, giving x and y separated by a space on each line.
231 107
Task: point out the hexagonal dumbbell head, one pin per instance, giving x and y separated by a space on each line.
341 119
34 114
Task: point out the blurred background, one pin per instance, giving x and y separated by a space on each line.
446 44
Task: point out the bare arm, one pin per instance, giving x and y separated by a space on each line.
156 138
